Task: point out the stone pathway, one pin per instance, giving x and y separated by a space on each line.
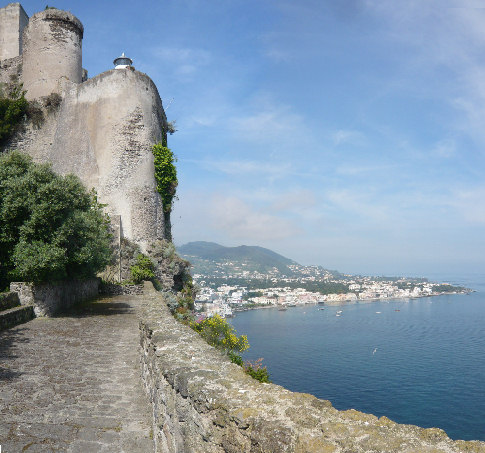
72 383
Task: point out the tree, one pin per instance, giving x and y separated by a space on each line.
51 227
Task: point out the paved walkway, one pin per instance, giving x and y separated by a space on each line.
72 383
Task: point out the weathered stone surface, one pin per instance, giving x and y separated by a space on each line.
52 52
72 383
203 403
51 298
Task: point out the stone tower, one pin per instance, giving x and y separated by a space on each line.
101 129
13 20
52 52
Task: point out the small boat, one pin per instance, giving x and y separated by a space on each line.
378 312
340 311
321 308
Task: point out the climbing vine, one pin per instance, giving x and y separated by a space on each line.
165 174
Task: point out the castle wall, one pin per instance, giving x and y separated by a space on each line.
13 19
103 132
52 52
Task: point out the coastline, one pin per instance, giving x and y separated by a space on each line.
339 303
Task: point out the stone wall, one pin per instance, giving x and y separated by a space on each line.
51 298
203 403
11 70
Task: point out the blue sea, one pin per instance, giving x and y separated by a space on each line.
418 361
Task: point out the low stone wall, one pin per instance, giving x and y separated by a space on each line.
203 403
8 300
51 298
115 289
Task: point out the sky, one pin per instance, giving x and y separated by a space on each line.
348 134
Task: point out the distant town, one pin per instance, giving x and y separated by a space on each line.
231 287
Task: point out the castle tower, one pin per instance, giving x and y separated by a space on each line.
52 52
13 20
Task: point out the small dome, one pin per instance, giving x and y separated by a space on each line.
122 62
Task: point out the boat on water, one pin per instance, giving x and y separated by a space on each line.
282 308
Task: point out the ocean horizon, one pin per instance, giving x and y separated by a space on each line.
415 361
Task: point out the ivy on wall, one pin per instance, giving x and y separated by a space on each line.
165 174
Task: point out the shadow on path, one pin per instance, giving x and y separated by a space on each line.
8 338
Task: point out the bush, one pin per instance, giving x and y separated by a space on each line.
143 269
256 370
51 227
220 334
13 107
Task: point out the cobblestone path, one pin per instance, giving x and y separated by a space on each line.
72 383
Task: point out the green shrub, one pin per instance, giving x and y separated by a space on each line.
165 174
13 107
220 334
256 370
51 227
143 269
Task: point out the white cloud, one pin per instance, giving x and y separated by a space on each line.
445 42
243 222
269 170
343 136
269 123
445 148
182 61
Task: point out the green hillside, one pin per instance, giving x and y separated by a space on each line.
207 257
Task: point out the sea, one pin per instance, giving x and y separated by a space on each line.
416 361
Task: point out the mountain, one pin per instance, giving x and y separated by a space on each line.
206 257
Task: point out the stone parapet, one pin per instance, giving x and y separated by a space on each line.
51 298
203 403
16 315
8 300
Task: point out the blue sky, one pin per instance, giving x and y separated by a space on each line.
349 134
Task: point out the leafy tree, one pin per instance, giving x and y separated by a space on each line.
51 228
